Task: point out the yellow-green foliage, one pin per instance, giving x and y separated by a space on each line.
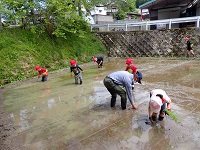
21 50
173 116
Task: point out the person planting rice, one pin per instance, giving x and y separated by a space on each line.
43 72
130 66
159 102
76 70
115 84
98 60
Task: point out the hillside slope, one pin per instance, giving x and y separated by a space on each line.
21 50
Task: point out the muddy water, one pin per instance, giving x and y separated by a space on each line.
58 114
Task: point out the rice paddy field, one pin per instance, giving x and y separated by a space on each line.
58 114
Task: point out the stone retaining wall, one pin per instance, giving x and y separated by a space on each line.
150 43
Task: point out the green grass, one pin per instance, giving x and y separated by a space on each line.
21 50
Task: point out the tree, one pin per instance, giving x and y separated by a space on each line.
64 17
1 9
124 7
3 12
21 10
57 17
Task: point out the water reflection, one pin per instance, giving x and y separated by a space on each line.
24 124
157 138
61 115
51 103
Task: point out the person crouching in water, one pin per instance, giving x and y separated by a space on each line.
98 60
130 66
77 71
159 102
43 72
120 83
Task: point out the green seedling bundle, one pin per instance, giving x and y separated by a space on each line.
173 116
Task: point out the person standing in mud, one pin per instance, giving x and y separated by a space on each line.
189 47
159 102
130 66
115 84
76 70
43 72
98 60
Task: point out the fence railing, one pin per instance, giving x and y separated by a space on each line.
145 25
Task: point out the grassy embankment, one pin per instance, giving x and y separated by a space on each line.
21 50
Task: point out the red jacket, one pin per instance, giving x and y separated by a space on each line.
131 67
43 72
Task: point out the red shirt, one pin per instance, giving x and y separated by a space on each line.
131 68
43 71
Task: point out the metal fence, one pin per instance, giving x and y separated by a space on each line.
145 25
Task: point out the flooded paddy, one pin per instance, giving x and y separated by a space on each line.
60 115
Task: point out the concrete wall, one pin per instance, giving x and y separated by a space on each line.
149 43
102 19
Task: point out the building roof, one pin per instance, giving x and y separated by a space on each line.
145 5
162 4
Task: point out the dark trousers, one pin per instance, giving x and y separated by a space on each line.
115 90
44 78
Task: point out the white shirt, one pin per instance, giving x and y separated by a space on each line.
160 91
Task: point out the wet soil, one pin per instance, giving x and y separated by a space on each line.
58 114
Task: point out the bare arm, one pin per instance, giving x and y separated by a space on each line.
169 105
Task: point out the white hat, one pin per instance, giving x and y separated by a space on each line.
155 104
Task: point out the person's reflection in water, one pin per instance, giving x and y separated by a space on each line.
45 90
157 137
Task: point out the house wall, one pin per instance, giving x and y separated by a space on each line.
198 9
153 15
99 11
101 19
168 14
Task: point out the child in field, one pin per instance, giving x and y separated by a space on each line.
43 72
131 68
98 60
189 47
77 71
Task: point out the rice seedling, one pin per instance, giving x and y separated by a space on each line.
173 116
